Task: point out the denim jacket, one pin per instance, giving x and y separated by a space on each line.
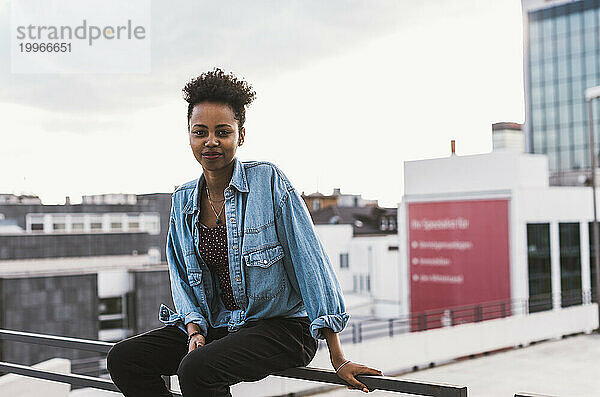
277 264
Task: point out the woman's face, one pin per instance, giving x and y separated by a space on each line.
214 135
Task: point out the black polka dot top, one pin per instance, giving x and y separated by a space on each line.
213 250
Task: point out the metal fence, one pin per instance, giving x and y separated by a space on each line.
366 329
356 332
305 373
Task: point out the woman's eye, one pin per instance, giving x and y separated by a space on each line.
223 132
198 132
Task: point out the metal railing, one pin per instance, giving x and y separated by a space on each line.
366 329
306 373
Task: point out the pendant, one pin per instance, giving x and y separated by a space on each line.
218 221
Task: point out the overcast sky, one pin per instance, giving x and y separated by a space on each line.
346 91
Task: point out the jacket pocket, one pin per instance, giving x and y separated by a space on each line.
265 275
194 277
265 257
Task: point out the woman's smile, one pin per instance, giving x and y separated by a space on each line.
211 155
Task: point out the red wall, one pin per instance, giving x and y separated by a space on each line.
458 253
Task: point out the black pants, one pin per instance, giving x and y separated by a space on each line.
253 352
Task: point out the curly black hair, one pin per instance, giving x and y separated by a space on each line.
218 86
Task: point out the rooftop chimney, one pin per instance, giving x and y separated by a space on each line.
508 136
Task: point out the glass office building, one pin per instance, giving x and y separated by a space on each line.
562 57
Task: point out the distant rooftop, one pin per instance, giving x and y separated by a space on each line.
505 125
365 220
9 198
76 265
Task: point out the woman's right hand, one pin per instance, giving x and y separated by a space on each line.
195 342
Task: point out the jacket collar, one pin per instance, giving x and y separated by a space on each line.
238 181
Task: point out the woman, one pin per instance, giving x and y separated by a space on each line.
251 282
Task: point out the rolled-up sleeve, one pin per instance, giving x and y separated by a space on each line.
304 253
184 299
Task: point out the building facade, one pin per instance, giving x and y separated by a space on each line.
94 299
99 226
561 59
362 245
502 234
317 201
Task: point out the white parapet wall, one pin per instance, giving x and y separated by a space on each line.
23 386
389 354
405 351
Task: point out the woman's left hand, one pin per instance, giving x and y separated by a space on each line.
348 371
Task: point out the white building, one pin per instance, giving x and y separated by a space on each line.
489 226
362 244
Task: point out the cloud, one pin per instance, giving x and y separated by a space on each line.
255 39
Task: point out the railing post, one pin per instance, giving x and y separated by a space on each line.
391 324
477 313
503 309
360 332
422 322
354 337
452 317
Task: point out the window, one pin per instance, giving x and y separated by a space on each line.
154 254
570 264
112 305
549 74
580 157
316 204
116 312
591 64
575 44
37 226
383 225
116 226
592 261
538 262
59 226
579 135
77 226
576 66
552 161
151 223
563 114
344 261
561 24
133 226
563 91
112 324
589 19
575 21
537 140
96 226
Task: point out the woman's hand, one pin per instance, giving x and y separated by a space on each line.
347 372
346 369
195 342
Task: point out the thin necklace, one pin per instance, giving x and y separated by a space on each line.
213 208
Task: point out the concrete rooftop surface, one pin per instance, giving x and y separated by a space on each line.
567 367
